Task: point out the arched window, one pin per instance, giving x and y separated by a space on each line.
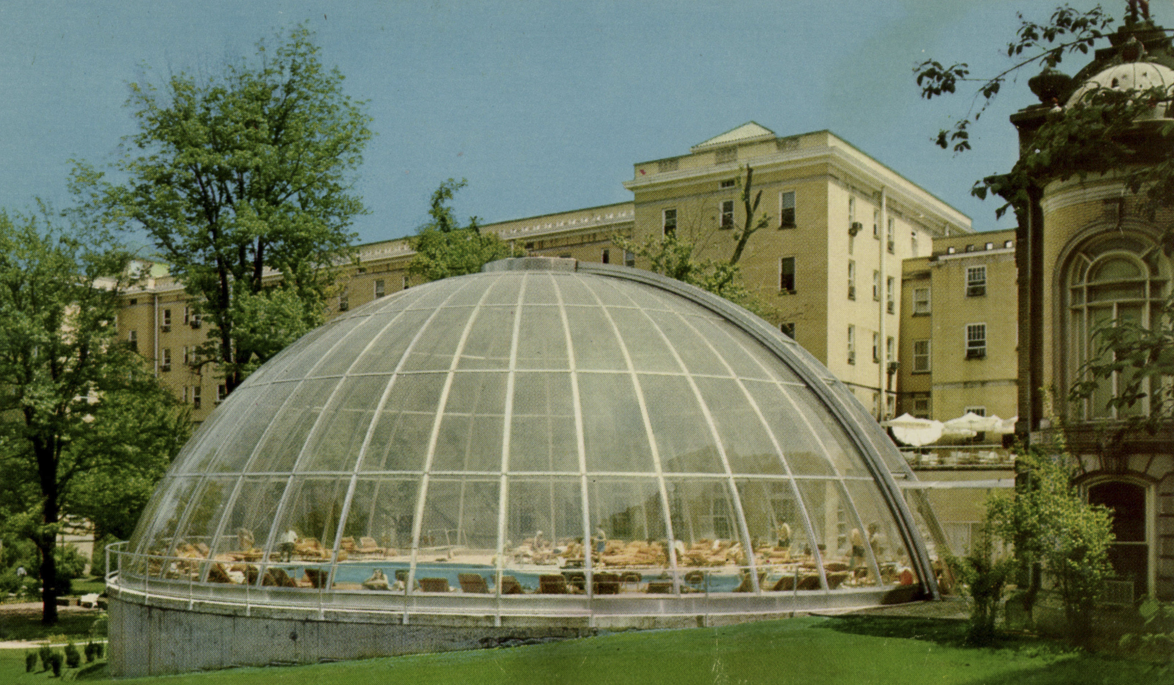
1119 278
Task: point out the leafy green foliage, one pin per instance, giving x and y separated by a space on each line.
73 658
1156 640
1048 523
983 575
241 180
444 248
63 375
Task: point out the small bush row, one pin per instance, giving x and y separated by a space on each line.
70 657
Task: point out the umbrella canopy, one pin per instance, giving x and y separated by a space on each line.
973 422
910 430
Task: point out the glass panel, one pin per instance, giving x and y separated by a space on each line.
341 357
596 346
335 445
881 537
479 393
313 507
488 344
573 291
807 448
229 448
385 353
775 520
541 339
435 348
290 428
613 429
543 428
704 523
400 438
469 443
248 522
379 520
683 436
540 290
1104 386
627 524
203 518
1115 269
747 444
460 523
544 526
505 288
645 345
157 528
697 356
304 364
1119 291
731 347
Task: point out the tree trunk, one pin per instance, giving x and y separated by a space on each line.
47 542
46 536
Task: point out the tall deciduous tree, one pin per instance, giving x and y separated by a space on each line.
243 181
445 248
71 394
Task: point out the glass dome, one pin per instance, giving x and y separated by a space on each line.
545 427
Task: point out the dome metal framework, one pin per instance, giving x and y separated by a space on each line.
547 436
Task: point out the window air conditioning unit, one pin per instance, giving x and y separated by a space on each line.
165 367
855 228
851 292
975 290
976 353
892 247
165 328
851 357
195 323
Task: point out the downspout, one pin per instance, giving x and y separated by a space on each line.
155 326
882 344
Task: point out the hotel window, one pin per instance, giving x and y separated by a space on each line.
787 274
629 258
890 349
851 344
165 360
605 256
975 340
876 348
976 410
406 284
195 397
921 407
727 214
875 285
891 236
913 243
166 325
221 393
890 300
728 183
133 340
876 224
668 224
380 288
920 301
187 315
851 279
975 281
921 356
787 209
344 301
788 329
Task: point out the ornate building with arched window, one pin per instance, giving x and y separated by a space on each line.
1091 252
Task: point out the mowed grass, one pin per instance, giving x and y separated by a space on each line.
809 650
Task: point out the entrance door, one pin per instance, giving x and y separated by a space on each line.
1130 552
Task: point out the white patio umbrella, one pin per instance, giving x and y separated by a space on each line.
913 431
973 422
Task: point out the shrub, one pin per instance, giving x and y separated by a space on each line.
45 653
983 577
73 658
30 661
1156 641
90 654
55 661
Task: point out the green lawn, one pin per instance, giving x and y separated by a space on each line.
846 650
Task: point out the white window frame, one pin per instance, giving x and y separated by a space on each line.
976 281
851 344
629 258
851 279
973 334
668 221
380 288
605 256
195 397
890 295
920 306
787 209
794 275
876 224
165 326
923 358
891 236
977 409
725 211
890 349
876 347
875 285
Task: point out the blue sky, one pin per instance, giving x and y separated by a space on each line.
542 106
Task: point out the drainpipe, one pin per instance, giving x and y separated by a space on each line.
155 329
882 344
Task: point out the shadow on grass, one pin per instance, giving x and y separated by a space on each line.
95 671
941 631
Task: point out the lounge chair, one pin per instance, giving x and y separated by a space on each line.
606 583
659 587
510 586
553 584
473 583
809 582
434 584
368 547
